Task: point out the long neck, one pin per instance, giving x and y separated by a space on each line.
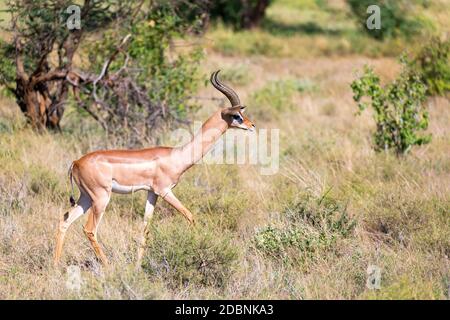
203 141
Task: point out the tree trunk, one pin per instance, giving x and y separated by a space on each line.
253 13
37 105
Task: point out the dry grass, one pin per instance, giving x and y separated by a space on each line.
400 206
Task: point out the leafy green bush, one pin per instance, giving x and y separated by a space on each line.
396 17
169 80
309 225
164 79
398 110
433 65
182 255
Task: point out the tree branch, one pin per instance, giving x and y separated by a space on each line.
20 69
56 74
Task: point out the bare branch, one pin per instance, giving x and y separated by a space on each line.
113 56
107 64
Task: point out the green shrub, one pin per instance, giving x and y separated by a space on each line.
308 226
396 17
433 65
155 87
325 214
398 110
182 255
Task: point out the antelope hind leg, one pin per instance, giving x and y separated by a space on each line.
90 229
83 205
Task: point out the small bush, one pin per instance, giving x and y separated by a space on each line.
433 65
398 109
308 226
182 255
155 87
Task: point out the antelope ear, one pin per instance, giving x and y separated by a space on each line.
233 110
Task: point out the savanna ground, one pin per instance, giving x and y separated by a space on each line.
310 231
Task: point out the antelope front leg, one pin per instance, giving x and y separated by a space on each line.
174 202
149 209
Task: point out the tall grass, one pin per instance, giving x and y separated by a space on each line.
310 231
334 208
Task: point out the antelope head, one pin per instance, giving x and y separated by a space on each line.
233 115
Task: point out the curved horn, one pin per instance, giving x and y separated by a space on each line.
227 91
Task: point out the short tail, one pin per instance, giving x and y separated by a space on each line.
71 199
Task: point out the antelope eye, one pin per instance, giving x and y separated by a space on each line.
236 117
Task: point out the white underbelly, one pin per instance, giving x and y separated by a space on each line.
123 189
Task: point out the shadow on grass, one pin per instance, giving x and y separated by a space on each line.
278 28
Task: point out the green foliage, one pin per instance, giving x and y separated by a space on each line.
308 226
398 109
396 17
169 81
41 24
165 78
183 255
433 65
7 67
